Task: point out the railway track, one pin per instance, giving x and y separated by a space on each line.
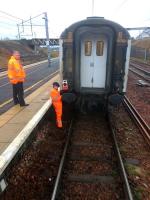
140 71
2 70
88 169
146 72
89 166
140 63
144 128
32 171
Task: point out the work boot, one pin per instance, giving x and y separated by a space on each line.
24 105
59 123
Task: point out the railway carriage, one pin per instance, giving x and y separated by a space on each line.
94 58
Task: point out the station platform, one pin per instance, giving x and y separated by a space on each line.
17 123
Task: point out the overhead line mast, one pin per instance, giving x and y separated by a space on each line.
93 7
47 38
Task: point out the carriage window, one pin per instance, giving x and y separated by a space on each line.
88 48
99 48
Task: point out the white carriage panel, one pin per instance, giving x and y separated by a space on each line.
86 68
99 75
61 61
127 66
93 66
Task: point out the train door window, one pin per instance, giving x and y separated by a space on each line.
88 48
99 48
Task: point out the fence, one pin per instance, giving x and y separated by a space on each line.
140 53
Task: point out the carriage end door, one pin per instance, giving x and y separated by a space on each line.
93 62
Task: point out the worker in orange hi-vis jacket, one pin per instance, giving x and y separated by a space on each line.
16 75
57 103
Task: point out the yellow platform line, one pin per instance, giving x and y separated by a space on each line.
30 66
27 74
26 90
25 67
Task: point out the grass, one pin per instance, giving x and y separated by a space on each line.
138 193
133 170
122 149
114 173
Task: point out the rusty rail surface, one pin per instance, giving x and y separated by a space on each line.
138 67
142 125
140 75
127 187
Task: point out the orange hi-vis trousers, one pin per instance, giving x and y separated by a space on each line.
58 111
57 103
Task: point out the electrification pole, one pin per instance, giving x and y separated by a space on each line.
18 31
47 40
92 7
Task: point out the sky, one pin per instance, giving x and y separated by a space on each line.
63 13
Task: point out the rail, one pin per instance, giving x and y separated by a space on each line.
56 190
60 170
140 69
142 125
128 192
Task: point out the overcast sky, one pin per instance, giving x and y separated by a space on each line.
62 13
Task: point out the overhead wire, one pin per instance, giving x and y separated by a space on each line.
120 5
116 10
23 23
10 15
8 18
31 18
9 22
30 25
